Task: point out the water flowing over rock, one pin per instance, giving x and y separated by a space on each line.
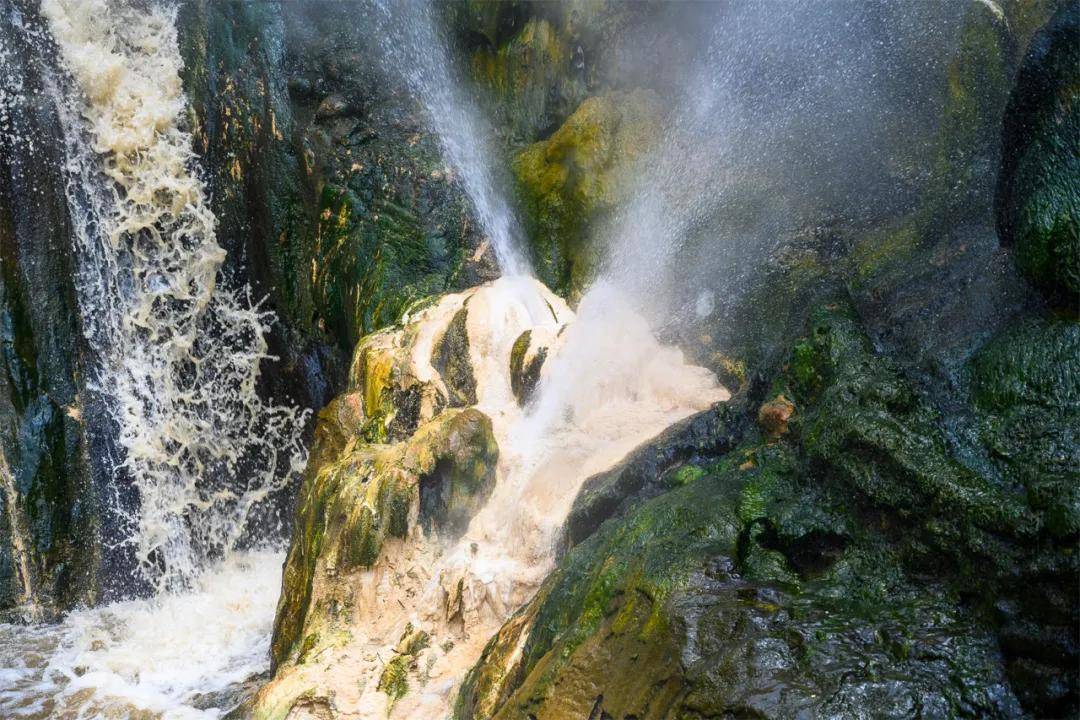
533 497
423 526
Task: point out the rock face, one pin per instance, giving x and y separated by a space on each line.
50 508
883 522
1039 186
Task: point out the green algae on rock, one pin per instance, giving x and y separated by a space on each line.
1038 197
579 173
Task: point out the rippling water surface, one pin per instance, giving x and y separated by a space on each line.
176 656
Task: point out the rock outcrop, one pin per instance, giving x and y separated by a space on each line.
424 522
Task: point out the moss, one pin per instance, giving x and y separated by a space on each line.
1025 384
394 679
684 475
1038 198
530 78
351 503
569 181
884 249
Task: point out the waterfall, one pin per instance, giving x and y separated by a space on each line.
175 348
178 347
413 48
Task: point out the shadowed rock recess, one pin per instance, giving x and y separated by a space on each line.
880 520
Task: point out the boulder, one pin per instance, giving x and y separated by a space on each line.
1038 197
579 173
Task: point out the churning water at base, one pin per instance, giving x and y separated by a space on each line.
176 351
177 657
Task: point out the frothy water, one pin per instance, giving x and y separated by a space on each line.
178 656
413 48
607 386
178 350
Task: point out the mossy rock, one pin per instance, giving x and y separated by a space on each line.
1038 199
867 424
1026 386
374 258
451 359
526 362
395 403
612 586
651 618
831 565
531 78
351 502
569 181
485 23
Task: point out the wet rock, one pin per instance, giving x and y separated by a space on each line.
532 79
451 359
1025 385
54 434
332 106
640 475
844 567
350 505
649 618
1038 198
579 173
773 416
526 361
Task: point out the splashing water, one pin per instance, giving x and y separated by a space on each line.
606 387
178 352
178 656
413 48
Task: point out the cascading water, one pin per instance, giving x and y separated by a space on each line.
413 48
178 352
613 387
608 385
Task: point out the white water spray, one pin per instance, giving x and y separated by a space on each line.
413 48
179 352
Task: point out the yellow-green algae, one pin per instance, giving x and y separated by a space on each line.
352 501
582 171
